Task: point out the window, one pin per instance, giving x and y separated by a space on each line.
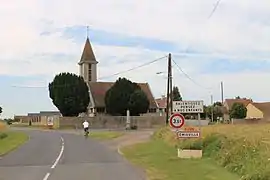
89 72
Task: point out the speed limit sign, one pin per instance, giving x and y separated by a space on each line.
177 121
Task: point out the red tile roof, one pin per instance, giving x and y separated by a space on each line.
162 102
99 89
264 107
244 101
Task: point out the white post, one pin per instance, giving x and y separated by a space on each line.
128 120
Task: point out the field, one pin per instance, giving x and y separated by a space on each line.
10 140
230 152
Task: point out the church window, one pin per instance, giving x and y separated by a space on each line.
89 72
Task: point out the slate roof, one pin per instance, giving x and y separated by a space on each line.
88 53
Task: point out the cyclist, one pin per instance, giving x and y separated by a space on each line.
86 127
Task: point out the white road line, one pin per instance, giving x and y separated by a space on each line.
60 154
46 176
119 150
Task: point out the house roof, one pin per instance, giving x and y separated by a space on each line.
161 102
244 101
88 53
99 89
49 113
264 107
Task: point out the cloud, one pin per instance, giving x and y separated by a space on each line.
41 38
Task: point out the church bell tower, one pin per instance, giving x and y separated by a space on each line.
88 63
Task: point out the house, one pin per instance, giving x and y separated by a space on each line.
37 118
228 103
162 104
258 111
97 90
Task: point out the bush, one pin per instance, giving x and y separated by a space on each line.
3 135
235 151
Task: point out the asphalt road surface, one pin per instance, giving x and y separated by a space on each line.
54 155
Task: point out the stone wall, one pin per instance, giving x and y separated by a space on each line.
114 122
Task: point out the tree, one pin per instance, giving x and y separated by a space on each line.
124 95
237 97
238 111
69 93
176 94
1 110
217 103
138 103
217 111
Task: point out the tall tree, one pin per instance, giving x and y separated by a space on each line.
1 110
238 111
176 94
124 95
138 103
69 93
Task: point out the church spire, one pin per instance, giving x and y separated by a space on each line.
88 54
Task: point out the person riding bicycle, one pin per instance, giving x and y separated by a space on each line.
86 126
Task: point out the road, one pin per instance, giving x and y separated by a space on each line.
54 155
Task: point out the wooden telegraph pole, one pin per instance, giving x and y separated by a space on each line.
169 90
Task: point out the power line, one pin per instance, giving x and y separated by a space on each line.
134 68
214 9
104 77
187 76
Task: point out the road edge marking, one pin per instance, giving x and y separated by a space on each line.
46 176
60 154
119 150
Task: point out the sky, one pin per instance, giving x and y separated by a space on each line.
41 38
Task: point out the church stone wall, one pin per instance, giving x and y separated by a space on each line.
119 122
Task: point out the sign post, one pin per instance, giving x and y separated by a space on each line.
187 107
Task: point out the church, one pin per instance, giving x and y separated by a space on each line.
97 90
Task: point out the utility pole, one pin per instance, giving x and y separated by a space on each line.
212 109
221 87
171 94
169 85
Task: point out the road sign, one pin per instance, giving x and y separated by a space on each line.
188 106
188 134
177 120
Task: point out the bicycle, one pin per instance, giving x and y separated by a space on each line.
86 133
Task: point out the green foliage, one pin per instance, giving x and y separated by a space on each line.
190 144
244 157
9 121
69 93
124 95
138 103
238 111
176 94
217 111
3 135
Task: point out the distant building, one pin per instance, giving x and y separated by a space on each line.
97 90
162 104
258 111
228 103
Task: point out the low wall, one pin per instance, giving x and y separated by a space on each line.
114 122
250 121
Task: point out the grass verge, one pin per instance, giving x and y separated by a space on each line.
11 141
161 162
106 135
